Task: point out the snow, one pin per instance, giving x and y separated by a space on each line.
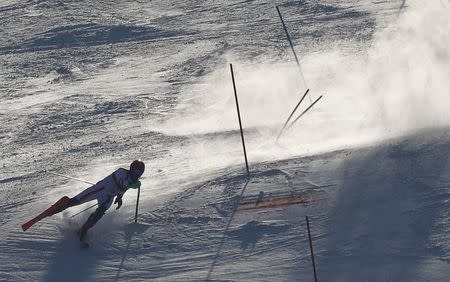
87 87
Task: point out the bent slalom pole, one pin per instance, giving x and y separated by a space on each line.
290 116
304 112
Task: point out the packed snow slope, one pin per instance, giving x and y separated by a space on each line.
88 86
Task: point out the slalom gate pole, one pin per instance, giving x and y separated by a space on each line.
305 111
292 48
70 177
311 249
83 210
289 118
137 205
239 118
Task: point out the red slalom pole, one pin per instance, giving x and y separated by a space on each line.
311 249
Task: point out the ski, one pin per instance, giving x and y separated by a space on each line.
47 212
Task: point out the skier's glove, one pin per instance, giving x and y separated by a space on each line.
118 201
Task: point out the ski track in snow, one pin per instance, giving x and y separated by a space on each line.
87 86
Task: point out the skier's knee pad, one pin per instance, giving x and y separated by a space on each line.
95 216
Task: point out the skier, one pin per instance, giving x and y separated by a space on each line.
104 191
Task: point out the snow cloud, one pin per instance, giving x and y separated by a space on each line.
398 85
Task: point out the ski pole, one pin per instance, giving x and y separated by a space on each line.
137 205
83 210
69 177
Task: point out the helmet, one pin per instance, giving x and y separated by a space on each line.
137 168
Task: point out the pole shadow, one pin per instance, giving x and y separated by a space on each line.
222 241
131 230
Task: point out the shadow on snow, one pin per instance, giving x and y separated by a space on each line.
87 35
385 213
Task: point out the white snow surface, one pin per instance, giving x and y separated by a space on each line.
88 86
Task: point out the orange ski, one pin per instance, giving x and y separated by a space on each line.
46 213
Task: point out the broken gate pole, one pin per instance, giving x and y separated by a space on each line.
304 112
290 116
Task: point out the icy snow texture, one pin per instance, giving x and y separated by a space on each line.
87 86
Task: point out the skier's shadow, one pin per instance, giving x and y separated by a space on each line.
131 230
70 263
